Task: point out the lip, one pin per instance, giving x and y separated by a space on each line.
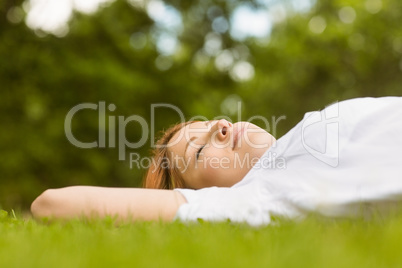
236 136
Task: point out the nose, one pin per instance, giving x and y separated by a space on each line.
222 129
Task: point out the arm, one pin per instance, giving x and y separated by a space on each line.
97 202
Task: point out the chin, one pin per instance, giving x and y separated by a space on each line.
261 140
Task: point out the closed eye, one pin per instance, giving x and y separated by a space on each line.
199 151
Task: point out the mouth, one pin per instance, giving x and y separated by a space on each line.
236 136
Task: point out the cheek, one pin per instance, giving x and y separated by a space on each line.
211 166
216 160
211 171
212 176
214 168
224 176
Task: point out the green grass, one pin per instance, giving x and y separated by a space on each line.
314 242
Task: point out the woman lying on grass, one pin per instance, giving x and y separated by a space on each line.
331 163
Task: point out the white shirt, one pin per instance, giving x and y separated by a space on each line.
341 161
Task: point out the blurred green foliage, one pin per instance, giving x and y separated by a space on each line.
339 49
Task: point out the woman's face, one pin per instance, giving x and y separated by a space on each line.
217 153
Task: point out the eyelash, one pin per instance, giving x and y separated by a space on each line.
199 151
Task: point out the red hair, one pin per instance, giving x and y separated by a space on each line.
161 173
